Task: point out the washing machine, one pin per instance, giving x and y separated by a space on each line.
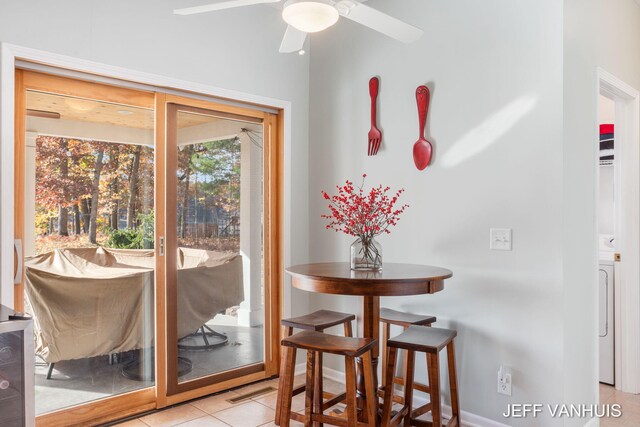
606 321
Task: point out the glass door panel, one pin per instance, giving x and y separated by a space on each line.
148 229
219 282
88 242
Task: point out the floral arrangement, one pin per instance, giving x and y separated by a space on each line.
365 216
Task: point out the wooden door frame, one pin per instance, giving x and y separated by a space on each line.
12 54
143 400
272 243
101 410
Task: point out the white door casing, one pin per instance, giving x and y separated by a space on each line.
627 229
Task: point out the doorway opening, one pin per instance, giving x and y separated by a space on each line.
618 213
607 207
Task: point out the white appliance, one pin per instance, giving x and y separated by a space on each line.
605 321
17 388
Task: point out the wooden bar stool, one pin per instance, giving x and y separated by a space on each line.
317 321
317 343
429 341
390 317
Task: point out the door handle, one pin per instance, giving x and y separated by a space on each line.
161 246
17 247
617 257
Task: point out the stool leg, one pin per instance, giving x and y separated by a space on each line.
409 360
287 331
348 331
390 369
433 365
352 403
287 390
405 367
386 330
309 401
318 387
372 397
453 383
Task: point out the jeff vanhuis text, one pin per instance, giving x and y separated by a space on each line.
524 410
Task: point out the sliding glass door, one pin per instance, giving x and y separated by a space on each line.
215 244
148 245
85 221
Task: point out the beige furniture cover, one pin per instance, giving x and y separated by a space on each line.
94 301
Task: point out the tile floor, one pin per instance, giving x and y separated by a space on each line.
630 406
215 411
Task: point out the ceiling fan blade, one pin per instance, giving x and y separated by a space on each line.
293 40
220 6
381 22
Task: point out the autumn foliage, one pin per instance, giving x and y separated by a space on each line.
92 193
83 189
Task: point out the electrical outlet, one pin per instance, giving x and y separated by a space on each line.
504 381
500 239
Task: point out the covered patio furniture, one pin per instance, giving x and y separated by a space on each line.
91 302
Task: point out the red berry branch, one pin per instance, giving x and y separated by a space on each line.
363 215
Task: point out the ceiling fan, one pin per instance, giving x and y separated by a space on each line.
310 16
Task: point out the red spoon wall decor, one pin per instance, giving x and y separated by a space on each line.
422 148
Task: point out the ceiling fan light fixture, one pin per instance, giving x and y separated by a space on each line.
310 16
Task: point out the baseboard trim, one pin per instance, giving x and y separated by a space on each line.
468 419
593 422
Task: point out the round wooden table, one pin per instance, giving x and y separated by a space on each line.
393 280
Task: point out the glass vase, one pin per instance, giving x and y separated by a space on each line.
366 255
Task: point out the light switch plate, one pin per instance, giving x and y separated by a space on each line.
500 239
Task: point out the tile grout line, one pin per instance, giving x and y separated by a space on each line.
244 403
260 403
204 416
212 415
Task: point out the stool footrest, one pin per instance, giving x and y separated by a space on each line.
398 417
297 417
416 386
396 398
421 410
333 400
333 420
300 389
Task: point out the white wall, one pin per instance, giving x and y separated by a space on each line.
500 113
236 49
495 69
